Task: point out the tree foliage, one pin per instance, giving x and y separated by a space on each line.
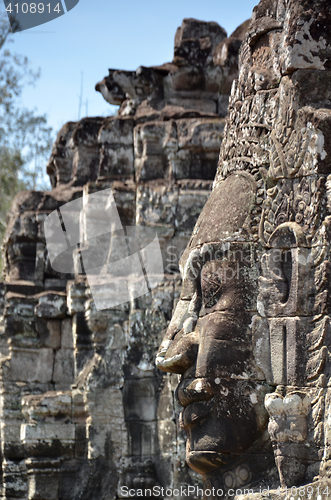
25 138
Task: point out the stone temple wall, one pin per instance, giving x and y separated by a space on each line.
83 409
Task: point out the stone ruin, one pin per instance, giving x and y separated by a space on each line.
84 413
251 332
83 409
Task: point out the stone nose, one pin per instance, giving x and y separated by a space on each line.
179 354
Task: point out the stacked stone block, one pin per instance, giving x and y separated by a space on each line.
83 410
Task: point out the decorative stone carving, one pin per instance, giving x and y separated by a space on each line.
83 409
250 335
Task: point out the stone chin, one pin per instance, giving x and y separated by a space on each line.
233 425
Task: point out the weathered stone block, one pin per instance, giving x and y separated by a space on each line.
165 406
80 442
43 485
85 165
51 305
142 406
48 431
52 405
76 297
16 307
143 440
204 133
190 204
14 478
115 130
156 204
152 141
24 333
167 431
207 34
205 106
11 430
67 341
50 332
86 132
64 367
59 166
78 405
30 365
116 162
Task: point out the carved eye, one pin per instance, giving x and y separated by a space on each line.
211 286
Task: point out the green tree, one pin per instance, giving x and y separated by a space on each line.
25 138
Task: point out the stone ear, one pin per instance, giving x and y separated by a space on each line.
285 267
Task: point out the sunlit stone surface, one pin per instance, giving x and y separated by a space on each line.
83 409
251 332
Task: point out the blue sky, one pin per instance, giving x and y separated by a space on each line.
101 34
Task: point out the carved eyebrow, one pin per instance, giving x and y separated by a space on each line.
213 251
213 281
199 257
214 294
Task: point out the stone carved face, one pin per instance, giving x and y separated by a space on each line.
270 324
209 339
